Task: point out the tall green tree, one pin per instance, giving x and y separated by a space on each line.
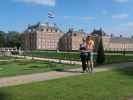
22 40
2 38
100 52
13 39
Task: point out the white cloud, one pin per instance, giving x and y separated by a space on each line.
78 18
117 30
120 16
85 18
128 24
121 1
125 29
40 2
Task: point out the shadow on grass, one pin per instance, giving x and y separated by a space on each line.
5 62
4 96
126 71
68 71
58 69
23 62
37 67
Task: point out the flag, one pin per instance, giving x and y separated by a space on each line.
51 14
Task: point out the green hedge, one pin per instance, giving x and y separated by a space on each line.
76 56
56 55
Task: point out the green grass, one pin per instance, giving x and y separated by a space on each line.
19 67
5 58
111 85
117 59
54 54
75 56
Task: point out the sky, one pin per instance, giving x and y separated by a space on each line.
113 16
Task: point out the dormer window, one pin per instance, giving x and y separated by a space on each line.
75 34
42 30
56 30
47 29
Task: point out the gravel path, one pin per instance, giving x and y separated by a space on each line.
25 79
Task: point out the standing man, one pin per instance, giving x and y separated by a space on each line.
83 55
90 48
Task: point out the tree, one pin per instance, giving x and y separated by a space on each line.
13 39
2 39
100 52
22 40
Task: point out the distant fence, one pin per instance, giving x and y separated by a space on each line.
10 51
119 51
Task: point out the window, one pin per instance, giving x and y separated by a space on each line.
75 34
42 29
56 30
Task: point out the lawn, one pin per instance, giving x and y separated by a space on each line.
75 56
5 58
111 85
117 59
56 55
21 66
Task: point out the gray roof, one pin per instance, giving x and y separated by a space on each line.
98 32
40 26
121 40
72 32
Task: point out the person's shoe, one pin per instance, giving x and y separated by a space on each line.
87 70
83 72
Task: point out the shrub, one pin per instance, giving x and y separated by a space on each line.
100 52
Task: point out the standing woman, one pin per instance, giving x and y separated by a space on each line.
90 48
83 55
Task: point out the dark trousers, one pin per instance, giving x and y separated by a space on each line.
83 57
84 65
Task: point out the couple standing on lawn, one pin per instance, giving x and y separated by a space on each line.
87 55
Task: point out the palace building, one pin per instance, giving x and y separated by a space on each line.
71 40
50 37
111 43
42 37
